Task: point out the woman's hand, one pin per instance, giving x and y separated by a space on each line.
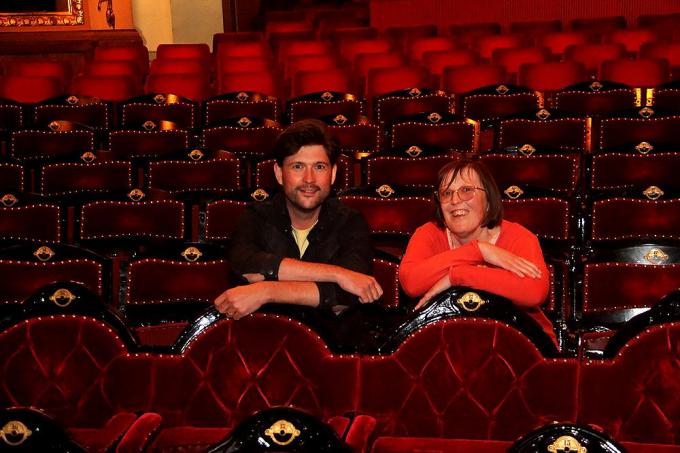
442 285
504 259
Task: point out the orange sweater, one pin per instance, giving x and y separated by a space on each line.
428 258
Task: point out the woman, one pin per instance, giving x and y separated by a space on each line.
471 245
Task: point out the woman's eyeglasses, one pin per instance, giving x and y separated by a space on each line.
465 193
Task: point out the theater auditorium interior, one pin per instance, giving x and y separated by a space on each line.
134 133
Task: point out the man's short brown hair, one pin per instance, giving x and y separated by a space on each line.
303 133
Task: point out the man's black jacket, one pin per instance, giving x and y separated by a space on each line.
263 238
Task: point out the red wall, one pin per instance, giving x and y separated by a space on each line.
385 13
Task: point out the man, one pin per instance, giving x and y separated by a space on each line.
301 247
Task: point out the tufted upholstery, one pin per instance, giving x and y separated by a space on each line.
66 378
467 379
634 397
458 378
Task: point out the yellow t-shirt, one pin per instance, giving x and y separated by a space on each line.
300 237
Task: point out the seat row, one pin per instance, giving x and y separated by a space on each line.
527 66
589 249
224 371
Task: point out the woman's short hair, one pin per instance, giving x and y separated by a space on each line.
303 133
446 175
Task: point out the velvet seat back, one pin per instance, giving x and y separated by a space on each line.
466 378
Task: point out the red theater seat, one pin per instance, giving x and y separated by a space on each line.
592 55
192 86
631 38
551 76
159 107
356 139
132 220
264 82
492 103
595 99
402 36
435 61
454 135
391 107
12 177
74 178
315 81
468 34
486 45
88 111
392 219
42 68
419 46
556 172
636 73
27 90
251 138
404 171
559 41
642 407
196 173
25 219
136 53
27 268
640 134
350 49
627 218
110 88
325 104
113 68
298 63
239 104
434 380
194 277
385 80
174 51
512 59
623 170
180 66
567 134
36 145
134 144
461 79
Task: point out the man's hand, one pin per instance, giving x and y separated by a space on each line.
504 259
365 287
443 284
241 301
